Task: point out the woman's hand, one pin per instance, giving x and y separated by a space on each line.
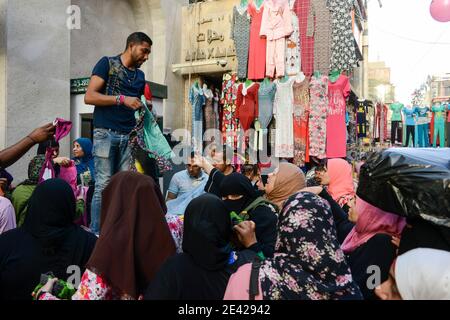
63 161
246 233
48 287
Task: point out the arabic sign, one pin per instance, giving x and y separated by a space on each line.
207 32
79 85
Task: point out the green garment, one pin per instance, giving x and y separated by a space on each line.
79 210
439 113
19 199
397 111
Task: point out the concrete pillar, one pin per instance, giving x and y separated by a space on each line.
38 72
3 6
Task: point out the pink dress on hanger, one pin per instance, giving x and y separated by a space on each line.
336 127
257 49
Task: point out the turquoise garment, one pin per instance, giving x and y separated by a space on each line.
439 113
396 111
409 114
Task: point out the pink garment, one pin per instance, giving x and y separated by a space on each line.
301 8
239 283
257 49
275 56
336 127
276 25
341 186
69 174
63 128
276 20
371 221
7 215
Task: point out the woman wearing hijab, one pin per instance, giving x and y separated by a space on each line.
370 243
84 161
240 196
202 271
308 263
22 193
285 181
339 178
419 274
134 242
48 241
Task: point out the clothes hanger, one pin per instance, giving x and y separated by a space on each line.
300 77
334 75
284 79
317 74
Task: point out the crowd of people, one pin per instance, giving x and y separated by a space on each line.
221 231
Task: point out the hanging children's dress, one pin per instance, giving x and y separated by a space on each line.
301 119
266 96
247 104
197 100
283 111
336 128
257 49
301 8
230 123
318 89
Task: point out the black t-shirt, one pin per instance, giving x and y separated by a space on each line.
131 84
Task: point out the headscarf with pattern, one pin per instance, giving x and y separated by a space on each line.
308 263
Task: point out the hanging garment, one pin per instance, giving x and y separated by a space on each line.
293 59
422 127
439 124
301 8
283 111
63 128
276 25
147 135
240 33
208 111
197 100
410 123
266 96
381 122
361 111
396 131
230 123
257 49
318 89
336 128
301 118
448 125
343 53
216 100
319 27
247 104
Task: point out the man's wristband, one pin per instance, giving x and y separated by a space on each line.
120 99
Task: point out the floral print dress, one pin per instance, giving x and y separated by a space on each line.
230 123
318 88
343 52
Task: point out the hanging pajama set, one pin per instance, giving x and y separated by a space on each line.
439 124
276 25
422 127
336 127
410 125
283 111
396 122
240 33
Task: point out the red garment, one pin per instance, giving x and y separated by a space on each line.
247 104
336 127
257 49
381 122
301 121
301 8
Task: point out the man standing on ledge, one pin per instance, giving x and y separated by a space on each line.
115 89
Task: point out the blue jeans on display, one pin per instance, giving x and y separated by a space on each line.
422 139
111 155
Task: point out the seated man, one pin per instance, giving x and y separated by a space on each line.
187 180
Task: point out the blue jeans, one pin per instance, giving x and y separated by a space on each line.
111 155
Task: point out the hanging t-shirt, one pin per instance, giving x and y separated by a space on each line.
396 111
336 129
448 117
409 114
